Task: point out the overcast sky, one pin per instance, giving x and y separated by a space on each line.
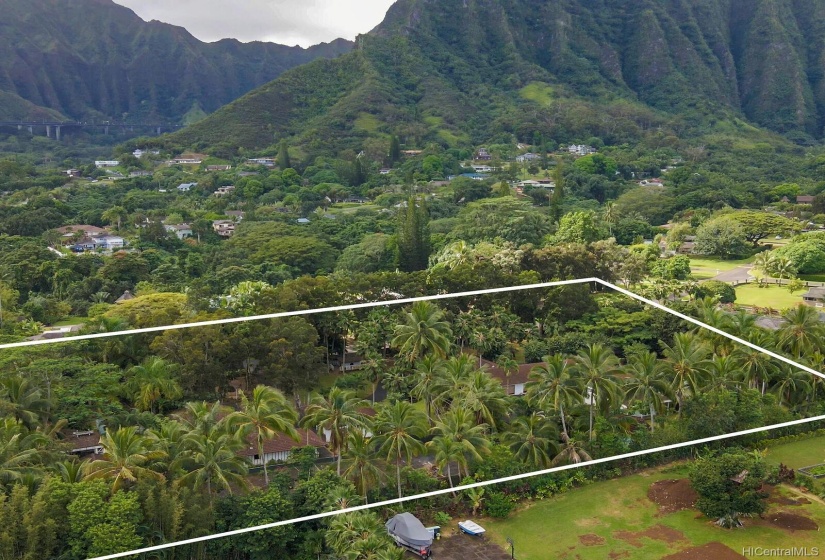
289 22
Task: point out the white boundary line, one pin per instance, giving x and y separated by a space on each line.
229 320
460 488
457 488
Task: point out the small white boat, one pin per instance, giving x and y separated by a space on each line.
471 528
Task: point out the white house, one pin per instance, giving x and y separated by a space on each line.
265 161
109 242
186 187
182 231
581 150
223 191
106 163
224 228
527 157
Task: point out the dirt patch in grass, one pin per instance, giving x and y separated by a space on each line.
785 501
672 495
710 551
657 533
465 547
591 540
618 555
791 522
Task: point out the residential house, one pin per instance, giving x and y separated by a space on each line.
223 191
84 244
106 163
73 172
83 442
581 150
412 152
356 200
127 296
366 411
688 246
280 447
302 221
515 383
483 155
218 167
528 157
385 171
224 228
475 176
350 362
182 231
140 153
265 161
248 174
188 159
651 183
109 242
186 187
80 231
482 169
804 199
140 174
236 215
815 297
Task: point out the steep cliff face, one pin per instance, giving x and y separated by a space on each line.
87 58
463 71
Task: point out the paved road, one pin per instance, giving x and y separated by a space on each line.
738 274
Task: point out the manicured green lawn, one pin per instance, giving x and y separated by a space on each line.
798 454
708 267
551 528
775 297
69 321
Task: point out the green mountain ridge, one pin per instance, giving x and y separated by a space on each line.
464 71
97 59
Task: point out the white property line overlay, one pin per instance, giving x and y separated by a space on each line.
403 301
461 488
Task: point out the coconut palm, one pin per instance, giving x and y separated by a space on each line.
339 414
70 471
115 215
360 466
722 373
398 428
647 383
551 387
686 364
211 459
152 380
508 365
459 425
532 439
790 384
428 372
457 370
571 452
763 262
755 367
267 413
595 367
424 331
22 400
802 330
447 452
126 456
20 450
485 397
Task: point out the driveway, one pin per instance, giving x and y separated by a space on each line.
465 547
738 274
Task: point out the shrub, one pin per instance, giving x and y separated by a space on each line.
498 505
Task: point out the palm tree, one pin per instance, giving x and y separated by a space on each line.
360 464
423 331
686 363
484 396
23 400
126 454
398 429
428 372
70 471
447 451
339 414
459 425
648 384
596 366
572 452
532 440
508 365
723 373
763 262
791 384
20 450
755 367
115 215
267 413
802 330
551 387
152 380
211 459
457 370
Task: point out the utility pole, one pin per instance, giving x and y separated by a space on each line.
512 548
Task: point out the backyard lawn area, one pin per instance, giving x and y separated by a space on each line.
617 519
708 267
775 297
798 454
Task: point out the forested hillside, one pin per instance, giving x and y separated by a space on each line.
94 58
464 71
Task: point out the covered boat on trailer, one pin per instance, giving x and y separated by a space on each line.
409 533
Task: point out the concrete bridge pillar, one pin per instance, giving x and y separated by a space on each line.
105 130
19 127
57 133
158 131
31 130
48 131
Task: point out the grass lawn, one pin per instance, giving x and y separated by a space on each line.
708 267
798 454
69 321
552 528
775 297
